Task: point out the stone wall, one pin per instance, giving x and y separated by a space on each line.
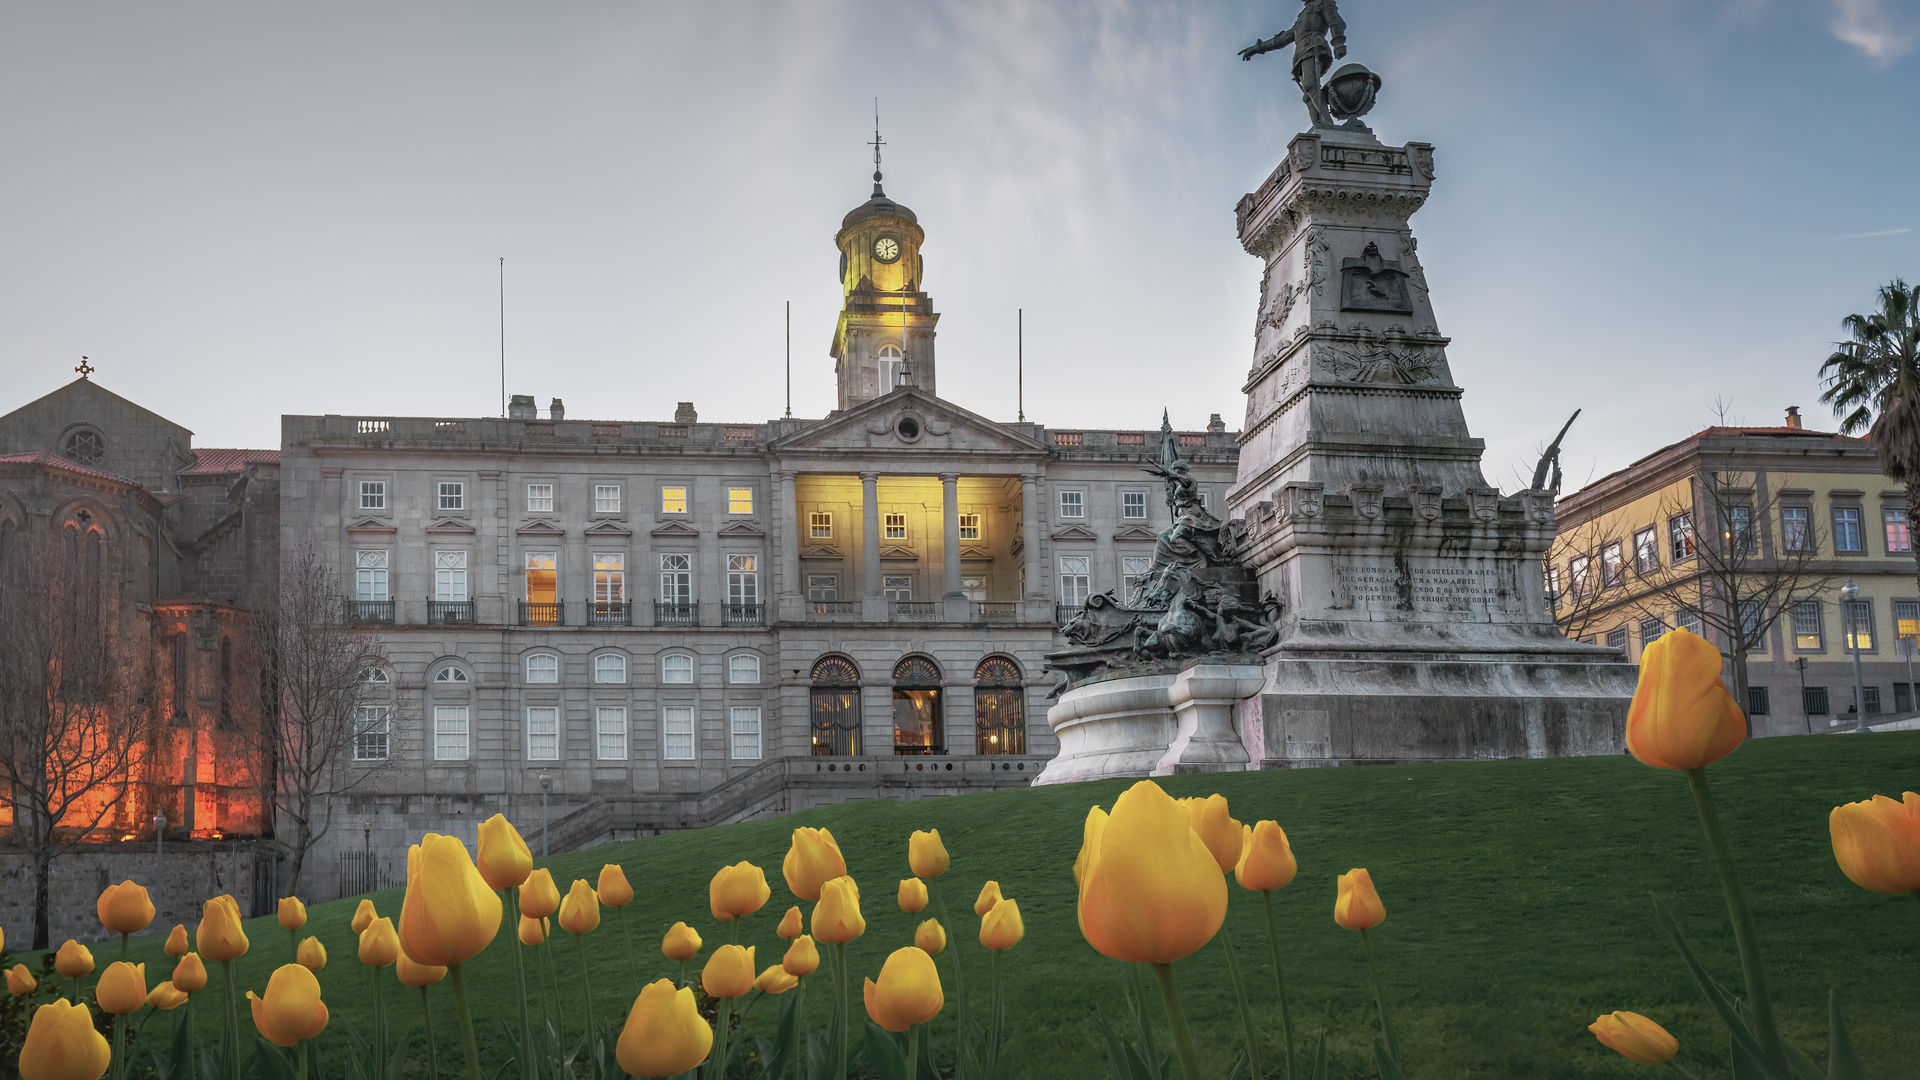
179 880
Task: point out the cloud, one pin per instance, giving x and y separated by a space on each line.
1865 25
1877 233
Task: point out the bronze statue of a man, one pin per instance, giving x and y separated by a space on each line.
1313 53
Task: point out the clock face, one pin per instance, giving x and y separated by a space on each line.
886 249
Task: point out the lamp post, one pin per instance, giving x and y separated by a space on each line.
546 785
159 831
1848 594
1906 650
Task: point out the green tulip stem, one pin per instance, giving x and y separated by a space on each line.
1177 1020
233 1021
301 1052
683 972
845 1016
913 1052
123 946
512 916
119 1051
1279 981
722 1027
553 984
1138 973
467 1045
1240 998
586 987
959 980
799 1028
999 1017
379 1028
433 1052
1380 996
1745 938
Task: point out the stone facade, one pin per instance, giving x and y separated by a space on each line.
178 880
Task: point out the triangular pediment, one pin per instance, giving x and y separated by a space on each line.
1075 532
675 529
936 426
739 529
899 554
1136 532
975 553
823 552
371 527
449 527
540 528
608 528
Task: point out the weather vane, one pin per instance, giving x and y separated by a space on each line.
85 369
877 143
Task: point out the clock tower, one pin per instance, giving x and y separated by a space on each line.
884 337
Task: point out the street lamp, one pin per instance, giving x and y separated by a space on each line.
1848 594
159 831
546 785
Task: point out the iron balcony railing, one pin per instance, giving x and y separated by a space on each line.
675 613
369 612
450 613
745 614
609 613
543 613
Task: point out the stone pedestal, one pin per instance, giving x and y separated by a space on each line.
1152 725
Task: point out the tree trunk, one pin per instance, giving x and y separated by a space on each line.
1740 696
1913 531
302 838
42 870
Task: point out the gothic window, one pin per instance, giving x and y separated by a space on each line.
917 721
180 656
999 708
84 446
834 706
226 682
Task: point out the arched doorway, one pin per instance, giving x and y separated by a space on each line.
834 706
999 708
917 723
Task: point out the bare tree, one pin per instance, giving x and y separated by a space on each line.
316 698
1583 575
74 706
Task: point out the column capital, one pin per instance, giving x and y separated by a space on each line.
783 475
869 477
949 477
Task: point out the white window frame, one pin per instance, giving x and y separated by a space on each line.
1856 627
372 575
1613 565
969 526
743 731
372 722
678 741
743 669
892 363
540 497
609 577
1840 532
451 733
1809 621
1906 611
823 588
1073 503
820 525
668 500
450 674
743 580
542 668
610 732
893 526
536 561
450 575
1646 551
450 496
606 499
1076 579
669 663
1892 518
610 669
373 494
897 587
1129 502
1796 528
543 733
1681 539
1133 575
676 577
738 497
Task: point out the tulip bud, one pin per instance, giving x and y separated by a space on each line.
1002 927
792 925
504 861
930 938
379 944
449 915
989 896
166 997
775 980
729 972
664 1034
836 918
62 1044
539 897
1635 1037
291 1010
311 954
913 895
534 931
122 988
1357 906
177 941
1877 842
219 936
292 914
1266 861
580 911
926 855
190 974
417 975
613 888
1150 890
1216 828
73 960
1682 716
363 915
681 943
802 958
908 991
737 890
20 981
124 908
812 861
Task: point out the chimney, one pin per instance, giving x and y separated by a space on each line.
557 410
1793 417
1216 425
684 414
521 407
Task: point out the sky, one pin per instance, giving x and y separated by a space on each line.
241 210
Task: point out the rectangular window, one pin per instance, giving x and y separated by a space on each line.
1617 637
370 731
373 494
1871 696
1680 537
449 733
823 588
1906 618
539 498
1737 530
1902 697
1073 504
610 668
610 732
1846 529
543 583
543 667
1757 703
606 498
1133 505
896 527
746 732
370 575
452 496
974 587
1813 700
1689 620
739 500
1553 586
743 669
1076 580
897 586
543 733
1650 631
1613 566
1133 575
1858 616
1899 534
676 579
673 500
1808 634
1646 552
676 668
609 577
743 580
1796 528
969 526
450 575
1580 575
820 525
1750 620
676 732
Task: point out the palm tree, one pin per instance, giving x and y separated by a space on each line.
1874 380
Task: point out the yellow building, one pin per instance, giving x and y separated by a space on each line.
1750 536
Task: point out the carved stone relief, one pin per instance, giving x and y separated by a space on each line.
1392 362
1372 283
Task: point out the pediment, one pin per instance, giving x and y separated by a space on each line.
740 529
1136 532
938 426
899 554
822 551
1075 532
608 528
371 527
540 528
450 527
970 552
679 529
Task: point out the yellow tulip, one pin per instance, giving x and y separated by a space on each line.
913 895
613 888
539 897
737 890
73 960
534 931
812 861
908 992
504 861
775 980
989 896
449 914
20 981
1635 1037
1002 927
1682 716
836 918
1216 828
292 914
580 911
926 855
930 937
1356 906
1877 842
417 975
664 1034
681 943
190 974
363 915
729 972
1150 890
1266 859
124 908
802 958
219 936
167 997
792 925
311 954
177 941
291 1010
62 1044
379 944
122 988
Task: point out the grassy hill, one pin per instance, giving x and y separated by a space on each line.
1517 893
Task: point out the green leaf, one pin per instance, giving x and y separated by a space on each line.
1320 1059
1842 1062
269 1061
886 1053
1384 1061
1741 1032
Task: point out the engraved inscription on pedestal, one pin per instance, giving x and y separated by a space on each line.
1409 588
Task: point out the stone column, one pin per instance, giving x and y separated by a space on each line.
955 600
789 532
1038 601
873 603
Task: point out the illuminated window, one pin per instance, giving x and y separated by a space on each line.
1076 580
820 525
373 494
610 732
743 668
452 496
606 498
543 585
1859 619
676 732
739 500
609 668
999 708
1846 529
969 526
543 733
1073 504
1808 632
449 732
1680 536
543 668
1133 505
1899 533
673 500
896 526
918 716
744 721
539 498
1737 530
370 733
1906 618
833 706
676 668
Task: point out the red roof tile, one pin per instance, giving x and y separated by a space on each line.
230 461
44 458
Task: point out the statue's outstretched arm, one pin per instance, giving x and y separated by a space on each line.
1278 41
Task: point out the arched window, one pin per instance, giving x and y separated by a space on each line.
450 674
84 446
999 708
892 363
226 682
917 723
543 667
834 706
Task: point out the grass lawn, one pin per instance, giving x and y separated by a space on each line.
1517 895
